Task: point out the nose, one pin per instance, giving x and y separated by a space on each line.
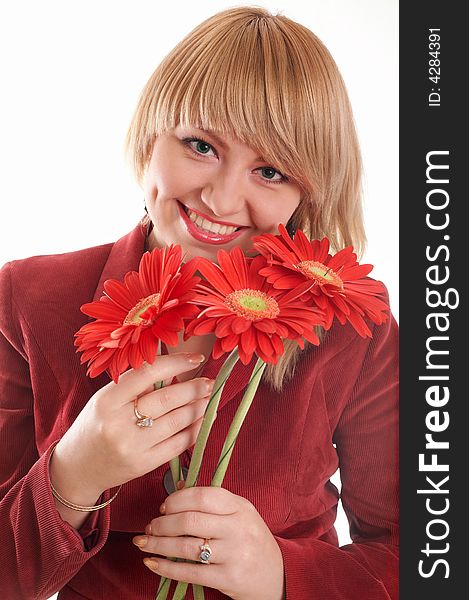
225 194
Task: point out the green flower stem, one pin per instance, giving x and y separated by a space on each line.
201 442
174 463
198 592
176 472
237 422
163 589
180 591
165 584
226 453
209 418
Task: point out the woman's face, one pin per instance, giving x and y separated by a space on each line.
207 191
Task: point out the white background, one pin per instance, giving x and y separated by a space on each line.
71 75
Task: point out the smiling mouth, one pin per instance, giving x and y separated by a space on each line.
209 226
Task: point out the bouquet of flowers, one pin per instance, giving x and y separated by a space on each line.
289 290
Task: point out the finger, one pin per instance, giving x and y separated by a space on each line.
135 381
206 575
177 420
169 398
192 523
177 444
212 500
185 547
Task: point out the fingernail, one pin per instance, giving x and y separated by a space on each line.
195 359
140 541
163 508
151 563
148 529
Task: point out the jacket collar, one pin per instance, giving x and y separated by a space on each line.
125 256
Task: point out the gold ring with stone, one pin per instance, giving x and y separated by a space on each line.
205 552
142 420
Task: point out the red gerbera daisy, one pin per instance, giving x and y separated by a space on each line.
132 316
338 283
243 310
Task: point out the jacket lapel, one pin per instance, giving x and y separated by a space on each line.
125 256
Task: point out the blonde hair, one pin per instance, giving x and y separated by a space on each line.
273 84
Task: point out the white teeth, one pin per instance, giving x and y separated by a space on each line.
208 225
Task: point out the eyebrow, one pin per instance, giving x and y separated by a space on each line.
213 135
221 143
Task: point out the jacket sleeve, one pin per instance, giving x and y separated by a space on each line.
39 552
366 439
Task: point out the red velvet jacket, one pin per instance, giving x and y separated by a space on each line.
340 409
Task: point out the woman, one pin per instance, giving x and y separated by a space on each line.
244 125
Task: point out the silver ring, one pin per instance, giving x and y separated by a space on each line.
205 552
142 420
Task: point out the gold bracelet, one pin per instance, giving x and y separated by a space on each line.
78 507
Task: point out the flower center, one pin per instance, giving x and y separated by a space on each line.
252 304
320 273
137 315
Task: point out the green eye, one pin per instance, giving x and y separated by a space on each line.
202 147
199 146
268 172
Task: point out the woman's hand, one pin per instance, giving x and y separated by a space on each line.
105 448
246 562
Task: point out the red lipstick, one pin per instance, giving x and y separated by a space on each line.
202 235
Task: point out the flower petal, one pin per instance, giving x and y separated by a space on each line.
119 294
214 274
148 305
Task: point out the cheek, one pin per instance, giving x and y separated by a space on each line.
172 179
268 215
158 189
158 178
150 190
